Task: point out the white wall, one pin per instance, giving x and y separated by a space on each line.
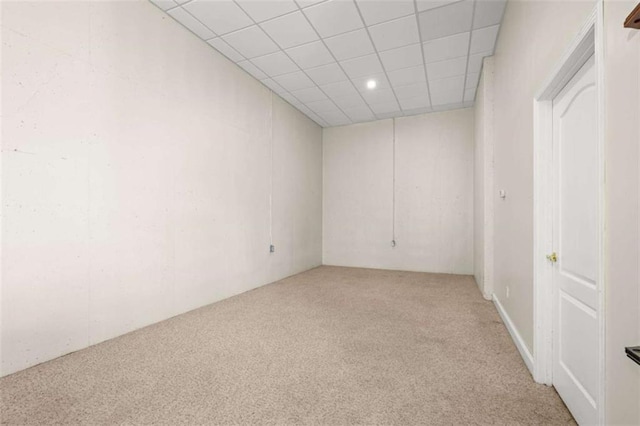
483 182
622 281
533 37
478 185
136 176
434 194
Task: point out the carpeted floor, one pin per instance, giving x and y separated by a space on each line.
329 346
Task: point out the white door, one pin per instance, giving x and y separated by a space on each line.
576 345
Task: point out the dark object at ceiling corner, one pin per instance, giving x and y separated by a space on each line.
633 20
633 352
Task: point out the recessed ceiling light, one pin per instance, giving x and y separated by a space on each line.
371 84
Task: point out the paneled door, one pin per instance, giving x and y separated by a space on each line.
576 272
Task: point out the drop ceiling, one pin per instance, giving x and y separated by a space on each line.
425 55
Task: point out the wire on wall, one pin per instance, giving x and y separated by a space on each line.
272 248
393 198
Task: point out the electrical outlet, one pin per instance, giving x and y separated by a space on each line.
507 292
272 248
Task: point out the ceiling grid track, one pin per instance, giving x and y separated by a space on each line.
466 71
336 61
291 59
327 57
377 53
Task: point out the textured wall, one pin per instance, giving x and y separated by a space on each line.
136 176
478 184
434 193
532 39
622 281
483 182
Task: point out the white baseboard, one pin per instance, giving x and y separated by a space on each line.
517 339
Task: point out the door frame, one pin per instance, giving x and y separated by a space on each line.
588 42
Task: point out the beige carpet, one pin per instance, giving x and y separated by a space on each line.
329 346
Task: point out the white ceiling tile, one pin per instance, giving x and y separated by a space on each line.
361 82
222 16
261 10
362 66
312 115
379 96
412 91
228 51
336 118
303 108
397 33
252 69
488 12
392 114
334 17
294 81
448 68
444 21
333 115
469 95
386 108
165 4
475 61
350 45
447 85
446 48
350 102
290 30
323 105
448 107
339 89
309 95
446 98
277 88
251 42
484 39
310 55
195 26
339 122
325 74
432 4
307 3
284 52
407 76
415 103
275 64
272 85
360 114
289 98
472 80
336 123
320 122
376 11
402 57
409 112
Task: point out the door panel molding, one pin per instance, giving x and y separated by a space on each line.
588 42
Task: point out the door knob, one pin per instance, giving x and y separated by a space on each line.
553 257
